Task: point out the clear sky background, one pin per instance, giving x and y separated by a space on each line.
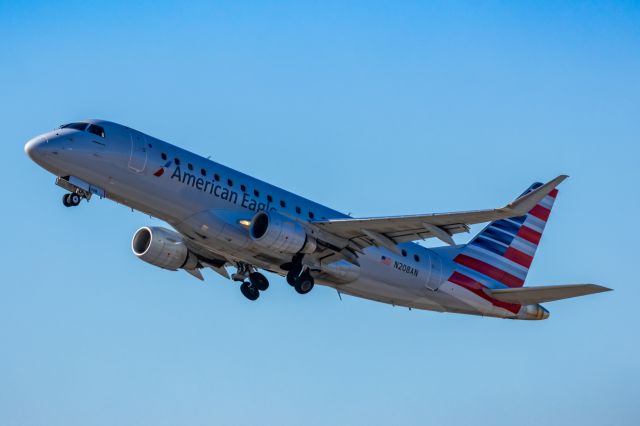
372 108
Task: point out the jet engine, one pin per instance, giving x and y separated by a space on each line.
163 247
273 231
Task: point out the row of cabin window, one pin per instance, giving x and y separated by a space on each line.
243 188
415 256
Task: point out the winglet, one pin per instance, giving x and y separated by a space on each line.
525 203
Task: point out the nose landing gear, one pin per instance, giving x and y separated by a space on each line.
71 200
76 193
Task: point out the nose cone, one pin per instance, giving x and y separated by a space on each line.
35 148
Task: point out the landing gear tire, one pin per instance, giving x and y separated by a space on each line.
304 283
259 281
71 199
294 274
291 278
249 291
74 199
293 269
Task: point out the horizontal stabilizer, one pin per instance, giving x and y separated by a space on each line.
532 295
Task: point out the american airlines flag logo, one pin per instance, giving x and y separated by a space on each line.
161 170
385 260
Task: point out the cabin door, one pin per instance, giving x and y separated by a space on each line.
138 159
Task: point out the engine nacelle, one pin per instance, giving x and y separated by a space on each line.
162 247
272 231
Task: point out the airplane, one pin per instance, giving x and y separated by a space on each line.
222 218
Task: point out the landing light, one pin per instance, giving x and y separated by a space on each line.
244 222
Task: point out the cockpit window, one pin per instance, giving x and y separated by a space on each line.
77 126
96 130
91 128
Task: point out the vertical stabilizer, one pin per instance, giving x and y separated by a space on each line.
502 253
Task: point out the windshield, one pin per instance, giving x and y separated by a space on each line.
91 128
96 130
77 126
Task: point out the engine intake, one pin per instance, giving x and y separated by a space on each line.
163 248
272 231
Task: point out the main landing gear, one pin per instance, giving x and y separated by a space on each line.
71 200
256 281
304 283
301 280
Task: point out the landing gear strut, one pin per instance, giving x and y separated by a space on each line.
294 269
256 281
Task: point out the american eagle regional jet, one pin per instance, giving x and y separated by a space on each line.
222 218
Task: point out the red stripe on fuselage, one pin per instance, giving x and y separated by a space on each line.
489 270
476 288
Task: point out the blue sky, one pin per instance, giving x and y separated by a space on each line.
372 108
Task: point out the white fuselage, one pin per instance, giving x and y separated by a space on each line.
208 203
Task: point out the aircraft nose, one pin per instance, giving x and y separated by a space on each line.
35 147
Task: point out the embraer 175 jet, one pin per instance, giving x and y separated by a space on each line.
223 218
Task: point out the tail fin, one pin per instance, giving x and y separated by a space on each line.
502 253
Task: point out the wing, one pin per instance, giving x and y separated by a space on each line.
388 231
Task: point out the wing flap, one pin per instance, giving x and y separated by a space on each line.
533 295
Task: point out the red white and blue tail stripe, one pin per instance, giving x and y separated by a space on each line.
502 253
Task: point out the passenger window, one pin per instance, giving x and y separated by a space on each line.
163 156
283 204
216 177
177 161
229 182
311 215
243 188
256 192
203 172
416 258
98 131
269 198
190 166
404 252
298 210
